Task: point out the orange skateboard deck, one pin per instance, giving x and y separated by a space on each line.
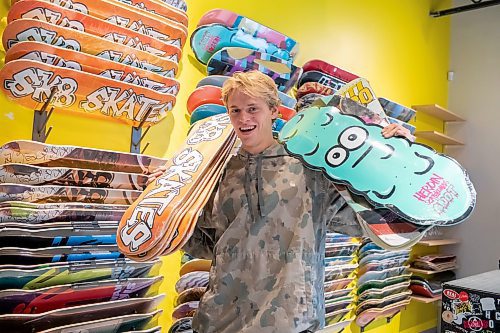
183 222
57 56
29 83
195 265
57 15
24 30
160 8
129 17
146 222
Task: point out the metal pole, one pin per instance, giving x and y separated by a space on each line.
465 8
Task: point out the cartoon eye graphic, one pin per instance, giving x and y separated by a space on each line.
353 137
336 156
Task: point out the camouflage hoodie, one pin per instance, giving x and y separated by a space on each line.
265 231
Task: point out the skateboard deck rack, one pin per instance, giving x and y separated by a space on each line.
42 116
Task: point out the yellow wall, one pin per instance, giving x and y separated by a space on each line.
393 43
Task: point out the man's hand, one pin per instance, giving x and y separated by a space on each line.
155 174
396 130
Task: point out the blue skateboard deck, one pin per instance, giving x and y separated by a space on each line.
208 39
230 60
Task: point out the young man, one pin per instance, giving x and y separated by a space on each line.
264 228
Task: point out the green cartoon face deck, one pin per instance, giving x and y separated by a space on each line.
409 178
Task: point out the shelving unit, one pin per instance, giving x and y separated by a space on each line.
438 112
443 114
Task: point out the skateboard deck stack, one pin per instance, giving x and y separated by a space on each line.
430 271
164 216
225 43
112 58
383 283
341 265
319 79
60 268
354 117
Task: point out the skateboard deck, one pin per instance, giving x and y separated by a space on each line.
29 83
54 193
161 8
195 265
47 155
130 17
208 39
204 95
337 305
29 216
379 265
384 292
57 15
362 93
51 298
24 256
339 272
149 220
185 222
192 280
435 262
61 57
437 190
366 317
186 257
27 323
339 260
314 88
379 284
190 295
24 30
335 238
185 310
205 111
48 275
383 302
395 110
340 249
16 237
424 290
182 325
218 81
230 60
233 20
338 294
370 253
324 67
61 205
409 127
25 174
337 284
321 78
388 255
306 101
133 322
180 4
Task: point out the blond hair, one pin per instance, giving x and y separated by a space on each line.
254 84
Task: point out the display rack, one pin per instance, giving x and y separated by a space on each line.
438 112
438 242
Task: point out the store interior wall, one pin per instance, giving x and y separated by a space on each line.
474 93
395 44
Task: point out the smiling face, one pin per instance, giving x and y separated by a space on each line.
252 119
